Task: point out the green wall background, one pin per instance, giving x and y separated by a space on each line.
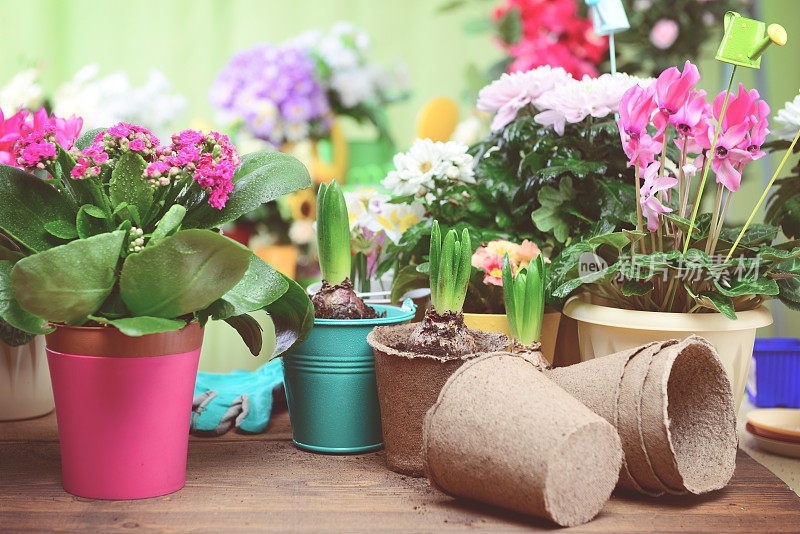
190 40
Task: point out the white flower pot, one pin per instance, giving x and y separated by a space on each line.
603 330
25 389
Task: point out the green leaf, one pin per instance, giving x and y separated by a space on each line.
293 317
69 282
636 287
761 286
509 27
261 178
142 326
182 274
408 279
618 240
27 204
445 279
87 138
260 286
168 225
12 312
10 255
249 330
128 185
94 211
434 260
61 229
88 225
719 302
333 235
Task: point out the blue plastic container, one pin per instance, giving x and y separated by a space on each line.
774 378
330 384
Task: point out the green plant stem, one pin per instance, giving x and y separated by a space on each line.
721 222
712 228
710 155
639 224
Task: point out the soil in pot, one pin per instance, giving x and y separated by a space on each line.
410 379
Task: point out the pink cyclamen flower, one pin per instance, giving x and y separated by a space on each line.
664 33
636 109
688 120
511 92
727 157
652 208
67 130
673 88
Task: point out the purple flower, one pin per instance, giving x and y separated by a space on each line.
273 89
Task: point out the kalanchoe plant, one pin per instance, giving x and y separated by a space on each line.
524 297
442 331
120 230
336 299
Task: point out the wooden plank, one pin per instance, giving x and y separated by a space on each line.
245 483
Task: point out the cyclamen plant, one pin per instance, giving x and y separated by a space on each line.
119 230
674 260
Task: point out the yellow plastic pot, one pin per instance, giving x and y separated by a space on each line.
603 330
282 257
498 322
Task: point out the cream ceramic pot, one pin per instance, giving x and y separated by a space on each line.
25 389
603 330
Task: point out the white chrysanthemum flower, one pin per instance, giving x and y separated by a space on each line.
302 232
575 100
417 171
789 116
22 91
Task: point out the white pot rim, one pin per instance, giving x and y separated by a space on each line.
578 309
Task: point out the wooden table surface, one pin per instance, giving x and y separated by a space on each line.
262 483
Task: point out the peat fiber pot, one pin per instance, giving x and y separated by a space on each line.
409 384
498 322
330 384
603 330
25 390
123 406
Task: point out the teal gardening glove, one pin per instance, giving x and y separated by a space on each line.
239 399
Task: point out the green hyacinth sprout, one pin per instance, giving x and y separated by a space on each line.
524 299
450 267
333 233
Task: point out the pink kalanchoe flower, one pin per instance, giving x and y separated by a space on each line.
673 88
652 208
37 149
507 95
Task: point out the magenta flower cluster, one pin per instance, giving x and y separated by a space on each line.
274 91
210 160
646 114
109 145
28 140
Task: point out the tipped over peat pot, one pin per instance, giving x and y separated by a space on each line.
409 384
123 406
330 384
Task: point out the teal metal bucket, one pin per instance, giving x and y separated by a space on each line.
330 384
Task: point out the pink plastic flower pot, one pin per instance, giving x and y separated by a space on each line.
123 406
